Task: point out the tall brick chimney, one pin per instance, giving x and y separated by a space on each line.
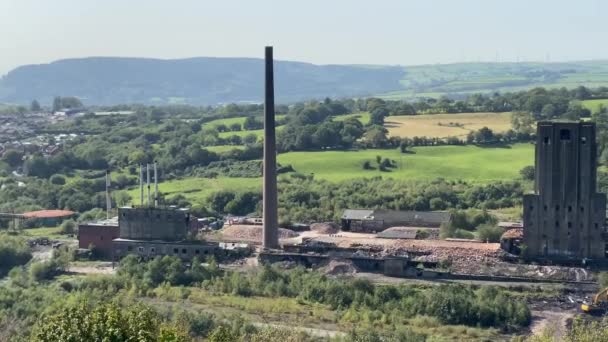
270 202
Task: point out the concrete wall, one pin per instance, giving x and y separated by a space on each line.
564 218
100 236
151 249
153 223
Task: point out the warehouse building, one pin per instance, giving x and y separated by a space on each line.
375 220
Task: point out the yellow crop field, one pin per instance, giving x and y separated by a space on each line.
445 125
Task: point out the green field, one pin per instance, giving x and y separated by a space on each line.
363 117
240 120
223 148
471 163
594 105
194 188
258 132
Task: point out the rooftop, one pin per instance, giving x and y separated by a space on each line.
48 214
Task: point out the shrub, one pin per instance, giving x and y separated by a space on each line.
489 233
14 251
57 179
68 227
527 172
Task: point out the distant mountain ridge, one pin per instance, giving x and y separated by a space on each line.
201 80
215 80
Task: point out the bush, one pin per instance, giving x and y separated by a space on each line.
14 251
68 227
57 179
527 172
489 233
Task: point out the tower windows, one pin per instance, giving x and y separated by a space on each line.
557 208
569 208
564 134
546 140
569 224
583 140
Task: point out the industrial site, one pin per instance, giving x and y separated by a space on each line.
560 243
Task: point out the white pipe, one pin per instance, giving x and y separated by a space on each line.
155 186
141 184
108 199
148 172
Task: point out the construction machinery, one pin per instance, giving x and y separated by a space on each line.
599 303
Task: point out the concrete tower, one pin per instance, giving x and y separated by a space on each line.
270 202
564 218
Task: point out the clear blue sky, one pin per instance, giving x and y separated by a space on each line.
318 31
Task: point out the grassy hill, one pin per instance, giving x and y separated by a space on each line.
201 80
205 80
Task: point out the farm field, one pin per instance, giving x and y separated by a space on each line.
445 125
594 105
471 163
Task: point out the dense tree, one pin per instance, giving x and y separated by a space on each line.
12 158
106 322
377 116
35 106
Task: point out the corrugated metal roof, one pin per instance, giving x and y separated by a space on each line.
398 234
436 217
48 213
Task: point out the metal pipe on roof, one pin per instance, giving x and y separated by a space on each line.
108 198
148 183
155 186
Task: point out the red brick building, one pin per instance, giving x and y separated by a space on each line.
99 235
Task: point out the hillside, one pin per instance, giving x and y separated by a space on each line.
194 81
205 80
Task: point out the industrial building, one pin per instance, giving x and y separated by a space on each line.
148 249
565 217
153 223
376 220
98 235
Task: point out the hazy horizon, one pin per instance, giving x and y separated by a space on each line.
340 32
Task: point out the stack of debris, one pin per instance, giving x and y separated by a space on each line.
339 267
324 228
252 233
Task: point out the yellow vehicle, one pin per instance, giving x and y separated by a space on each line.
599 303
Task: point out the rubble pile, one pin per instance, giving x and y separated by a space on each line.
338 267
252 233
324 228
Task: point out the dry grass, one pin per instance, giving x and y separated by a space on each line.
445 125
